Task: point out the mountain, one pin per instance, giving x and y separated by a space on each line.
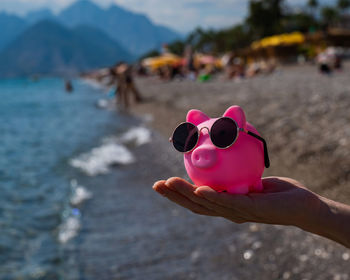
49 48
11 27
81 37
36 16
108 50
82 12
134 31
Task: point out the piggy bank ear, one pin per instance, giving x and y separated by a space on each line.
196 117
237 113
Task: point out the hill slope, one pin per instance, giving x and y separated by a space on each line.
49 48
39 15
11 27
134 31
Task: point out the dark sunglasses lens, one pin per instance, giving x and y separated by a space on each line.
223 132
185 137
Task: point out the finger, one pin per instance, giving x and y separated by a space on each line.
158 187
240 203
272 184
188 190
279 184
185 188
161 188
175 182
218 202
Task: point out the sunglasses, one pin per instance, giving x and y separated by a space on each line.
223 134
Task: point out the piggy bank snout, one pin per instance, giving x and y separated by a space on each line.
204 157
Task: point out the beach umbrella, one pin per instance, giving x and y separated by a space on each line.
294 38
160 61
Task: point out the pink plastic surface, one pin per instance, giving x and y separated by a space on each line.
237 169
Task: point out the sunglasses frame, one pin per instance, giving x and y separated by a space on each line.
239 129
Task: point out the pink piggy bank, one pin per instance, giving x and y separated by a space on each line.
225 153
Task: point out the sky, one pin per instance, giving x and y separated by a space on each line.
181 15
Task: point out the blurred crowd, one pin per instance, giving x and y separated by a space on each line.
203 67
200 67
329 60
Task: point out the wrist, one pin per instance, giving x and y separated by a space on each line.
309 213
329 219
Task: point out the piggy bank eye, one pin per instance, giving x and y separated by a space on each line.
185 137
224 133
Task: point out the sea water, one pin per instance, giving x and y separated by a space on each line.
50 140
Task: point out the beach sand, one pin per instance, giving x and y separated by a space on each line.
303 115
138 234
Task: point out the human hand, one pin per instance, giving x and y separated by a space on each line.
283 201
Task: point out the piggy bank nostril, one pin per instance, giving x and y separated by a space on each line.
204 157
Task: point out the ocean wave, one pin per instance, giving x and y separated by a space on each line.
106 104
70 228
138 135
79 194
99 160
102 103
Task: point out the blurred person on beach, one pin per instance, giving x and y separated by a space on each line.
230 67
253 69
128 85
68 86
115 80
165 72
227 62
141 70
205 73
177 71
234 66
239 68
326 61
338 64
283 201
190 68
123 78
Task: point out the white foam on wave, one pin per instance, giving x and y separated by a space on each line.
99 159
71 216
102 103
111 152
69 229
79 194
138 135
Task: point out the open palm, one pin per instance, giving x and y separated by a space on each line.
283 201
